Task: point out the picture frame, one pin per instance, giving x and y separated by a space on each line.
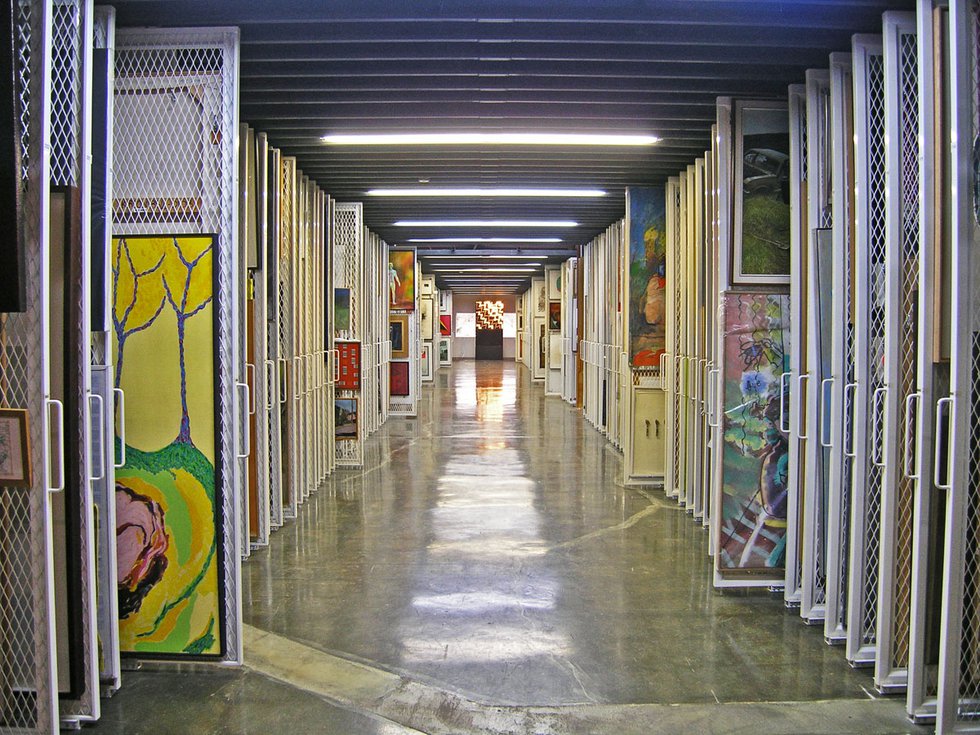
398 334
345 419
341 310
15 448
554 316
445 351
426 286
446 302
445 325
399 379
761 218
554 284
425 360
426 325
348 365
401 279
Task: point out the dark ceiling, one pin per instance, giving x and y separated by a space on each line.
597 66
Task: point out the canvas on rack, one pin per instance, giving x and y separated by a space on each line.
647 274
446 325
341 309
401 279
756 453
167 501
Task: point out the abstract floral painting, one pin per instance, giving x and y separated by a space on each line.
647 275
756 453
167 523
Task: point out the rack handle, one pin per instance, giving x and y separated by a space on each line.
246 429
877 408
801 381
851 388
270 367
824 442
120 399
59 466
942 430
96 398
783 378
250 372
912 401
283 380
713 421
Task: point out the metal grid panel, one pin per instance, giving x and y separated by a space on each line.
174 127
348 251
27 666
287 346
66 92
273 335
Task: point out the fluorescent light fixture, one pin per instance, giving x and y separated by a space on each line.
519 193
457 269
487 239
522 256
449 139
441 265
550 223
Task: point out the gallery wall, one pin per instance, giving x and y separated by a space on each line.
464 348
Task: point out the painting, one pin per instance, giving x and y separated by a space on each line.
762 216
466 325
341 309
554 316
427 286
425 360
15 448
401 279
348 365
445 352
554 284
540 297
426 325
168 520
398 334
755 454
445 302
345 419
646 206
510 325
555 352
446 325
398 378
13 273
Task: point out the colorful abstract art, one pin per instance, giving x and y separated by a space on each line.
554 316
647 275
168 534
446 325
348 365
401 279
756 454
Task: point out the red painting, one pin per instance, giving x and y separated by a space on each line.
349 365
446 325
399 379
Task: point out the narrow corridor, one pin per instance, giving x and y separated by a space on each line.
488 572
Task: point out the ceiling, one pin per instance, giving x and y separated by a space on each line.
648 67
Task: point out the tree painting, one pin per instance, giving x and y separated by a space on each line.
166 506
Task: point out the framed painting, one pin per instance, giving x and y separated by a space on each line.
510 325
554 284
168 500
427 286
15 448
398 378
646 209
554 316
345 419
466 325
755 453
398 334
348 365
341 309
446 325
401 279
445 302
540 298
761 236
425 360
426 326
445 351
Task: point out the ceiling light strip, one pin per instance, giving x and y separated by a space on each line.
450 139
463 192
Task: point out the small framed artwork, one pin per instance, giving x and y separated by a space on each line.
445 302
426 325
15 448
445 352
761 239
345 419
398 378
446 325
426 286
398 334
425 359
554 316
349 365
341 309
554 284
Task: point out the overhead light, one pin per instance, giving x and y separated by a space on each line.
484 257
486 223
487 239
457 269
436 265
501 192
449 139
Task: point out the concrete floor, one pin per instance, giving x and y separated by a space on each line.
488 572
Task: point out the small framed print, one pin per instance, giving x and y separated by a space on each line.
15 448
398 334
554 284
426 361
345 419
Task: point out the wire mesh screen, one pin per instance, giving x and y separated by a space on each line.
287 347
348 254
907 335
969 648
66 86
871 515
28 700
175 119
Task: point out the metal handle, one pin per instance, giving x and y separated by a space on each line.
877 406
801 380
246 429
679 372
283 380
250 368
851 451
336 365
296 371
663 363
60 434
713 420
782 402
120 397
699 379
101 424
911 471
942 431
270 367
692 378
825 443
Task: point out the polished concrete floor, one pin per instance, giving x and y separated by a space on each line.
488 572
